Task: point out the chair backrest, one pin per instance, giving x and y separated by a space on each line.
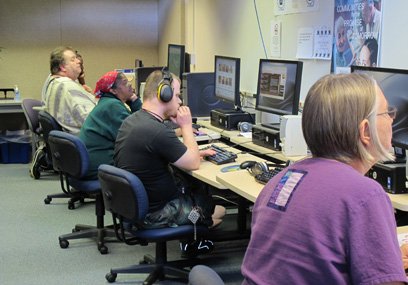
31 114
123 193
47 123
69 154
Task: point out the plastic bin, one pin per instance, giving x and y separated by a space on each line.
15 149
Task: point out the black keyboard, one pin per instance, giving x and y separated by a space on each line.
223 156
267 175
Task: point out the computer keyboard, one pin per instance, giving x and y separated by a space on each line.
222 156
267 175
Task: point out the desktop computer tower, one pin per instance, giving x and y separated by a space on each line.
391 176
198 94
228 119
266 137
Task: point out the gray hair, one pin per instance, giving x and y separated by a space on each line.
334 108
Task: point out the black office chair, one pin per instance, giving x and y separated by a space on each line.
32 121
71 159
126 198
44 160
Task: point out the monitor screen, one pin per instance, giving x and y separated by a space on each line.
394 85
278 87
226 81
175 59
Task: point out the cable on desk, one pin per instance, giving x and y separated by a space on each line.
225 199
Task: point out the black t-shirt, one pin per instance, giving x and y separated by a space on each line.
145 147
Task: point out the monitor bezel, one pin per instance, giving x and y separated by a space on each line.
237 95
394 142
298 83
182 58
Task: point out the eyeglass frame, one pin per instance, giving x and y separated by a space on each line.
392 112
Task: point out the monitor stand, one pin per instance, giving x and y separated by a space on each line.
274 126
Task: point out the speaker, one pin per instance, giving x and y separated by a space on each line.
244 127
165 92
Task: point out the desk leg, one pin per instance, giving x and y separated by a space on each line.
242 215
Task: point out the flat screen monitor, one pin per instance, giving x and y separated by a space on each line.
175 59
141 74
394 85
226 81
278 87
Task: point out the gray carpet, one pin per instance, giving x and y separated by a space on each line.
30 251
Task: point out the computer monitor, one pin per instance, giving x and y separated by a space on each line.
226 81
278 87
175 59
141 74
394 85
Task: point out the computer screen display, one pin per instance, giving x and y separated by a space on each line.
278 87
175 59
394 85
226 81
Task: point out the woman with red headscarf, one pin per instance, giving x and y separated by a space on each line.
101 127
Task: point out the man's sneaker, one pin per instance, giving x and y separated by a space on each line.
194 248
38 159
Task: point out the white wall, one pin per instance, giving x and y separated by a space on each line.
230 27
108 34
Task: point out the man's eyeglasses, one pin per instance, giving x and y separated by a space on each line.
392 112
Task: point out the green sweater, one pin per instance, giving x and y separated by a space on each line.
100 129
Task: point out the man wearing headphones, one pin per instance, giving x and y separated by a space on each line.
145 146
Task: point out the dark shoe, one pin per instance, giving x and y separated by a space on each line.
37 162
194 248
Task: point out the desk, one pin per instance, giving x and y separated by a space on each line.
224 133
242 183
399 201
208 171
247 143
12 117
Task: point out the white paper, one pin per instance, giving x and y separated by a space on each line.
322 43
305 43
276 28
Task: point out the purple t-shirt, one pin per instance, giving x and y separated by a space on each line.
322 222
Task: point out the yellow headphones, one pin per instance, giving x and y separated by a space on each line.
165 92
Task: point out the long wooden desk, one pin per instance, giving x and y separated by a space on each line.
208 171
242 183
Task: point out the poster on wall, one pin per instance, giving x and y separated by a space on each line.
283 7
357 32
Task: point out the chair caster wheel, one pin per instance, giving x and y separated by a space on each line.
111 277
47 200
103 250
64 243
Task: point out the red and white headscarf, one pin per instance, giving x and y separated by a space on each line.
105 84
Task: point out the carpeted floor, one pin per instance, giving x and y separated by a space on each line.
30 251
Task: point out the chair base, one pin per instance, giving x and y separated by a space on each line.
158 268
71 202
86 231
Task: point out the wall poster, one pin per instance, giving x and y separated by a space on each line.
357 32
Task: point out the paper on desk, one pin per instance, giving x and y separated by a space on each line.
402 238
247 135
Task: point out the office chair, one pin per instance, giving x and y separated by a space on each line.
44 159
32 120
126 198
71 159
